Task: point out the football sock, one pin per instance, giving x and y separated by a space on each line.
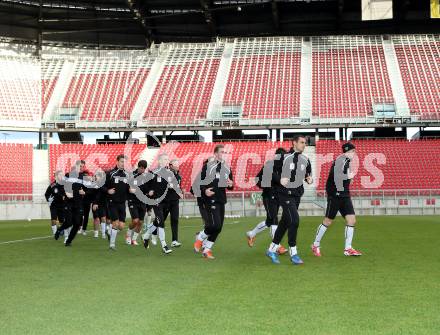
349 231
322 228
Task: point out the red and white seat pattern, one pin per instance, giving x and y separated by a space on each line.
106 88
265 78
184 89
16 171
419 61
401 163
349 74
50 71
20 90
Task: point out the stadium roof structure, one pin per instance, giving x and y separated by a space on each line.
139 23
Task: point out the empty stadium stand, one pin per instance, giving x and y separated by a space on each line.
20 90
16 172
50 71
264 78
106 88
419 61
405 166
312 80
349 74
183 91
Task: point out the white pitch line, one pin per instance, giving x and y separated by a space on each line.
26 239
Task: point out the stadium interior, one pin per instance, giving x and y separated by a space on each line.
95 79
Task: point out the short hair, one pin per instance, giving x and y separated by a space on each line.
174 160
297 137
163 154
280 151
119 157
142 164
57 172
218 147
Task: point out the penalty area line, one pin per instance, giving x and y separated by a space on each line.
26 239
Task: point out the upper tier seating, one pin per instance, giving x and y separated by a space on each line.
184 89
419 62
349 74
265 78
106 88
20 91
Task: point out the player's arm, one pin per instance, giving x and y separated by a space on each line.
48 193
230 181
259 178
309 178
205 185
109 189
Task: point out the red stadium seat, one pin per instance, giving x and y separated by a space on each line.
16 170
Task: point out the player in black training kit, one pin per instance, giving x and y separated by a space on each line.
289 175
74 188
216 177
87 203
117 185
197 193
339 200
270 201
172 205
136 201
99 204
163 181
56 198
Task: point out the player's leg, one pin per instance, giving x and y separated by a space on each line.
138 227
159 212
122 216
96 222
174 222
66 224
261 226
333 205
114 210
85 219
347 211
202 236
103 218
60 215
293 232
53 219
281 228
77 220
217 214
133 209
150 227
148 223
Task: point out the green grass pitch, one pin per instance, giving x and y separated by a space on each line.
393 289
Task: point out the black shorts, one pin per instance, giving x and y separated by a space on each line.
342 205
137 210
57 213
101 212
116 211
